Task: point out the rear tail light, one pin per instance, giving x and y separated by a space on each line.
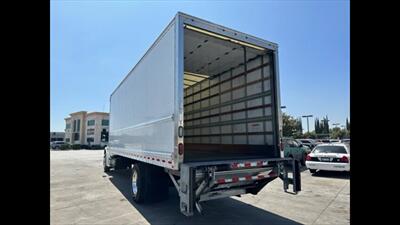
344 159
180 149
308 157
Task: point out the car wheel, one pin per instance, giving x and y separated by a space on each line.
312 171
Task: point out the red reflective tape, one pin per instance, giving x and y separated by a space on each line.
260 176
234 165
235 179
247 164
221 181
248 177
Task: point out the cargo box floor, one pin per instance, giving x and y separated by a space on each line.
211 152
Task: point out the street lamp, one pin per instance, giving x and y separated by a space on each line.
308 116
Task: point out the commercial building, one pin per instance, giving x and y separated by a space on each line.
57 136
85 128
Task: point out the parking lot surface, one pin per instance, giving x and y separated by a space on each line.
81 193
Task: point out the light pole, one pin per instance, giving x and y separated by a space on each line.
307 116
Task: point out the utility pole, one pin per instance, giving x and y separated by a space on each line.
308 116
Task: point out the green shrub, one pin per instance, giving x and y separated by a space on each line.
85 147
65 147
96 147
76 146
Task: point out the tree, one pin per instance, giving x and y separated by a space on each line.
325 126
347 124
299 125
317 126
311 135
291 126
337 133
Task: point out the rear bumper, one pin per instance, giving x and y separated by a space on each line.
203 181
328 166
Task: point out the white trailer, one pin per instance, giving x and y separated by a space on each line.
200 111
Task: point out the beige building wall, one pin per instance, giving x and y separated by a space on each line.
90 127
95 123
68 130
77 129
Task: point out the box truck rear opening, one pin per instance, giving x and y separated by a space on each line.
227 99
200 111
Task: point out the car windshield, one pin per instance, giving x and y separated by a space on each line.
330 149
305 141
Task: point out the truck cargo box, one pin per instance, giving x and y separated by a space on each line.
208 90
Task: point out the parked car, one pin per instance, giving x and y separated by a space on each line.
308 142
346 141
331 157
294 149
56 144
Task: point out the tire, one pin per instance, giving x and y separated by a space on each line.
148 183
105 167
312 171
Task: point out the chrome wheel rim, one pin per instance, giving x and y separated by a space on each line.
134 182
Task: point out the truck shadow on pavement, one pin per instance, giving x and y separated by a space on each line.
221 211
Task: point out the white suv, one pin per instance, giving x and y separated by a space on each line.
332 157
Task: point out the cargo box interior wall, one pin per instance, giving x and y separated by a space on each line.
228 101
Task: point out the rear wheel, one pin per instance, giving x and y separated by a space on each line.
149 183
312 171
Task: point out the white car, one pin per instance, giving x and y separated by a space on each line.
332 157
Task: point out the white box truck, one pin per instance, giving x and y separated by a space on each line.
200 111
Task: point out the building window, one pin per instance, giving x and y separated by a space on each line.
104 122
74 128
89 140
90 122
66 139
76 137
79 125
90 131
67 126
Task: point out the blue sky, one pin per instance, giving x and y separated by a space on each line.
94 44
